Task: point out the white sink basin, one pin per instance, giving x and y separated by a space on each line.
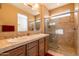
12 40
15 40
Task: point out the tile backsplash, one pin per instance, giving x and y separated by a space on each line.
5 35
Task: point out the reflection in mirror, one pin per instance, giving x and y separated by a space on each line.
34 25
37 22
37 25
31 25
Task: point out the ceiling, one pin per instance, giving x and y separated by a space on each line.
34 12
54 5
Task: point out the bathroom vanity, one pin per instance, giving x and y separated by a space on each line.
33 45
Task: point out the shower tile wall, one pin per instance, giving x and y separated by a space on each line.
68 26
62 43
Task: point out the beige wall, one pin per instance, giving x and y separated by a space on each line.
8 16
43 13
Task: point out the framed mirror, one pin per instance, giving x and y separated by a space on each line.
37 25
31 25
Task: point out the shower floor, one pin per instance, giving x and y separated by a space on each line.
64 50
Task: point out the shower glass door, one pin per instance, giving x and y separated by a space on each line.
61 30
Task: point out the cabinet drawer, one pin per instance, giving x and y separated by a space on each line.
15 52
33 51
32 44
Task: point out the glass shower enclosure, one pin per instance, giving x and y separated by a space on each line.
61 34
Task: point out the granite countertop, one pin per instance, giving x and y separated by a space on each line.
7 44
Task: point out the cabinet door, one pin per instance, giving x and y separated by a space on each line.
41 47
46 44
33 51
19 51
32 44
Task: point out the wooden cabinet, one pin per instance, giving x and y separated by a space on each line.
32 49
41 47
35 48
19 51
